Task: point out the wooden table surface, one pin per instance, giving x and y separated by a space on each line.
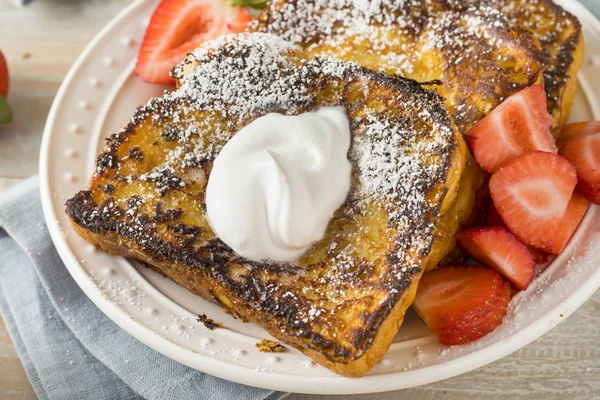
42 40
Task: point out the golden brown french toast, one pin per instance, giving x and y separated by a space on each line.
561 37
482 50
480 57
343 303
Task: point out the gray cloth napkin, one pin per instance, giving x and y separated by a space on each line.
68 347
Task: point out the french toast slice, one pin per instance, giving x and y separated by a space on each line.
473 49
561 38
482 50
343 303
478 55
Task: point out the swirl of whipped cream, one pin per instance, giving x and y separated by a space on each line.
276 184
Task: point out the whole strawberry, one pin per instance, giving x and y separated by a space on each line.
5 112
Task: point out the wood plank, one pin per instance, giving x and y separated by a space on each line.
40 42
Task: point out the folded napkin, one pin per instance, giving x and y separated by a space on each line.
68 347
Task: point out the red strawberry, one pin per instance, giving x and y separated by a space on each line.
531 194
519 125
3 76
584 154
178 27
565 228
494 219
462 304
498 248
578 130
538 256
239 20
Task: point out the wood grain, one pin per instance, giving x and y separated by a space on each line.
563 364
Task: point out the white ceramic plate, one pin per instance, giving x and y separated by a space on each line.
100 94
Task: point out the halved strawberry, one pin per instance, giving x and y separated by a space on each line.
565 228
584 154
578 130
531 194
462 304
178 27
538 256
494 219
519 125
3 76
498 248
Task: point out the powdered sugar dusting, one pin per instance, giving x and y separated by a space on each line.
230 75
398 155
456 41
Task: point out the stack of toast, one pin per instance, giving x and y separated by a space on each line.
412 76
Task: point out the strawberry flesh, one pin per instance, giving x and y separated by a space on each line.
494 219
538 256
462 304
520 124
177 28
478 325
578 130
531 194
584 153
498 248
565 228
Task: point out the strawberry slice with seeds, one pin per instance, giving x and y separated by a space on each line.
520 124
584 153
578 130
494 219
565 228
531 194
462 304
498 248
474 326
178 27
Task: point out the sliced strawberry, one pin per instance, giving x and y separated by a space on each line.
519 125
531 194
584 154
462 304
494 219
567 225
578 130
239 21
498 248
565 228
178 27
3 76
538 256
475 327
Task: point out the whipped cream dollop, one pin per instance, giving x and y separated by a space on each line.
276 184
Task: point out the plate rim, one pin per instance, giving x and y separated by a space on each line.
272 380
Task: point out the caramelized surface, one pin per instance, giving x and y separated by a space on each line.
480 57
343 303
